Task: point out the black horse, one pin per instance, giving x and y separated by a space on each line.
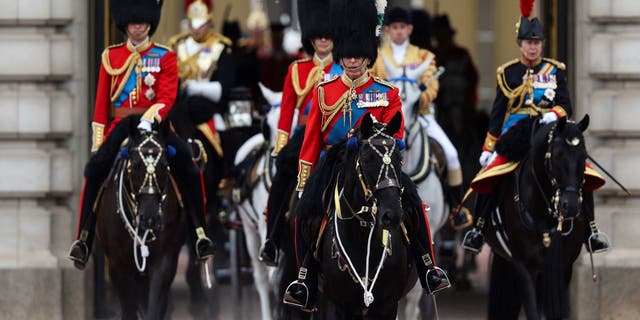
141 224
364 259
188 115
537 230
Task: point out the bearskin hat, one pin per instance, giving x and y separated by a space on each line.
421 34
529 28
354 29
397 14
312 15
131 11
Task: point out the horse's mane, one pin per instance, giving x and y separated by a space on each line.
320 179
516 142
196 109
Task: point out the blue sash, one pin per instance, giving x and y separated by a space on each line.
154 53
342 126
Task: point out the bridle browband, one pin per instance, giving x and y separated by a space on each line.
384 145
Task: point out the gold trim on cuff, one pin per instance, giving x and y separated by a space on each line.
489 142
559 111
153 113
304 171
281 140
97 137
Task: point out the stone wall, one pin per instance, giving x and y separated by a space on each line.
607 74
43 143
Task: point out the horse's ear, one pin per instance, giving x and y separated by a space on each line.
366 127
394 125
584 123
561 123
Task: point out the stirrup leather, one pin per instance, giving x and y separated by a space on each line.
437 269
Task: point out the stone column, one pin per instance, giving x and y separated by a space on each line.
43 101
607 74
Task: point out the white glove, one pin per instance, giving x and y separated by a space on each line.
144 125
211 90
300 194
549 117
484 158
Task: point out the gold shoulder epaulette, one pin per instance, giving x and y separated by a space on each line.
163 46
115 45
383 82
506 65
173 41
302 60
556 63
328 81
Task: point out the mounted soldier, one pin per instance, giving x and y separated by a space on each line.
338 105
206 70
303 76
138 77
421 64
527 87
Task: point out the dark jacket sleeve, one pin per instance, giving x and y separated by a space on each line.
562 97
498 112
226 75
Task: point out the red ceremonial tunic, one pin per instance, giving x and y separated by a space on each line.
327 124
142 81
303 75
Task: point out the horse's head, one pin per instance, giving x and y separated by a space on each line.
147 177
564 161
378 164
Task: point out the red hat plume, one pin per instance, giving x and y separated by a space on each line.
526 7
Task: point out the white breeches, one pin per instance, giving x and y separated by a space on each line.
435 131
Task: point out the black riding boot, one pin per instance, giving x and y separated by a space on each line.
302 293
474 239
432 278
460 217
95 172
282 189
595 241
189 180
81 248
277 206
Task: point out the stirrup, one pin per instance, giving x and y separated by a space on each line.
438 289
206 256
79 262
464 241
266 259
466 213
598 234
296 303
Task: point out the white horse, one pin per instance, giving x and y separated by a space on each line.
252 201
417 162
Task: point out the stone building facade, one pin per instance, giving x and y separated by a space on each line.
607 73
43 138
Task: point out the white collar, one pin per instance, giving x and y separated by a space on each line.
399 50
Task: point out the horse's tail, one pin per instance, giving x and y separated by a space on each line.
504 297
554 291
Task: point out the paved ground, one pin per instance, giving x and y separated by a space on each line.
452 304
